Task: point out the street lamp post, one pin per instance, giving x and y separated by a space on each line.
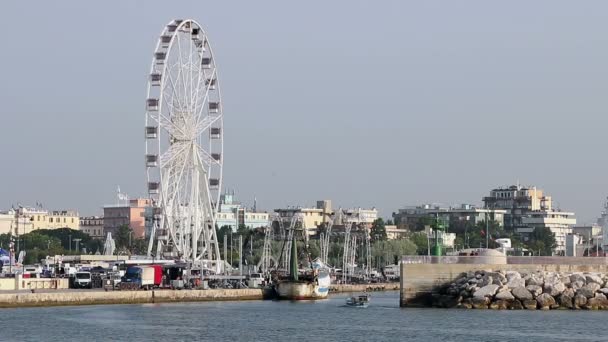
77 245
487 233
18 245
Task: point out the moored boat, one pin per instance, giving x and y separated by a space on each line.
316 287
308 285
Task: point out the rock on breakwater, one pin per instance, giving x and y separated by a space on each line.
513 290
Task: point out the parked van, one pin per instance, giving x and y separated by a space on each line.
83 280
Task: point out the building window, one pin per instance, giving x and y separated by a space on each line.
51 220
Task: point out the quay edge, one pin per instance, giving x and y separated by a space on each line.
68 298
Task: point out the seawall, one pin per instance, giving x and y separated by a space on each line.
93 297
363 287
124 297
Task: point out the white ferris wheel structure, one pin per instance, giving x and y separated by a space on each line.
184 145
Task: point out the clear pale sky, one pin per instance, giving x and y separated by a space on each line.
367 103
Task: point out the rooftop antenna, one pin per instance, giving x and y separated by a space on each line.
121 196
255 204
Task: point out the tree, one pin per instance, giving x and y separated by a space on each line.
40 243
67 236
321 229
542 240
123 237
242 229
139 246
223 231
422 223
378 231
421 242
390 251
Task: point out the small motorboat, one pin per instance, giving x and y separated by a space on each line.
361 301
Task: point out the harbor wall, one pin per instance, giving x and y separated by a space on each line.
418 281
7 283
124 297
363 287
20 283
90 297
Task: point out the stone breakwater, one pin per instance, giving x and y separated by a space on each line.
515 291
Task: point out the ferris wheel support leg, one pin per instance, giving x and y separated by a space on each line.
151 240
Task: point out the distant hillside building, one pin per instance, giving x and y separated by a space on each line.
24 220
92 226
394 233
313 217
529 208
411 218
231 213
360 217
518 201
6 222
130 213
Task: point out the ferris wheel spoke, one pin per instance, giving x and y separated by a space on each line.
199 108
174 89
195 97
191 69
206 158
170 127
172 154
181 72
204 99
179 181
206 123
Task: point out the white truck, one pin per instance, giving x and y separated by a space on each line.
83 280
142 277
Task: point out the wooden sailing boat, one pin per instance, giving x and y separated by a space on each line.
313 284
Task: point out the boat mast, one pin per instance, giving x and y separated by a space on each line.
293 261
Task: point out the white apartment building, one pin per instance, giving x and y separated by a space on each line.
559 222
357 216
528 208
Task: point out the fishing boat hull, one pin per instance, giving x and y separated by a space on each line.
300 290
355 304
304 289
358 302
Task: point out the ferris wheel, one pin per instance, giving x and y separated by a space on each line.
184 144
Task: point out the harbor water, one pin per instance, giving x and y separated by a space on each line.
324 320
